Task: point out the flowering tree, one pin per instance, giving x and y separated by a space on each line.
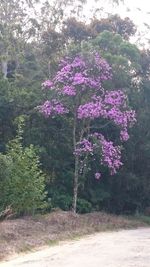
77 91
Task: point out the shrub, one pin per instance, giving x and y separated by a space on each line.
64 202
22 182
83 206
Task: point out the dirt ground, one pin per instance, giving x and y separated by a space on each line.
25 234
126 248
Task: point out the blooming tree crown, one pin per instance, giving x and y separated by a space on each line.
78 87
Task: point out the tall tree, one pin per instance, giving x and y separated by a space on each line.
15 23
78 89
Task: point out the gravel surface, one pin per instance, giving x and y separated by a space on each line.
125 248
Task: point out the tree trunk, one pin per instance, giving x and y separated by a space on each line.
75 188
4 64
76 170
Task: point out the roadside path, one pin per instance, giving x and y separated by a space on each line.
125 248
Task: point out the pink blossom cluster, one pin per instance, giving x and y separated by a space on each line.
47 84
79 74
111 155
69 90
124 136
97 175
85 146
121 118
92 110
111 106
115 98
103 67
52 108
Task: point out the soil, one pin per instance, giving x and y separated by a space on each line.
127 248
30 233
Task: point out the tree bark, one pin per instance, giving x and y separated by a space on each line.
4 64
76 170
75 188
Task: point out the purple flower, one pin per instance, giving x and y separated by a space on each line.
78 62
124 136
92 110
84 146
47 84
78 79
97 175
115 98
69 90
46 108
52 108
111 155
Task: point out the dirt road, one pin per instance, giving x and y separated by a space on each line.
126 248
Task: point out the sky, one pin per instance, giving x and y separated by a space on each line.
137 10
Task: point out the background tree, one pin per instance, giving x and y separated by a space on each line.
15 28
125 27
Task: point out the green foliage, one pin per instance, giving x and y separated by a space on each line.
83 206
4 170
142 218
6 114
22 182
64 201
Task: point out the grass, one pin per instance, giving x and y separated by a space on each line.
142 218
25 248
52 242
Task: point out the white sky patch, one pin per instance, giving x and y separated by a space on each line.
137 10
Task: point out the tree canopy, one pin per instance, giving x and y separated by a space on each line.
93 79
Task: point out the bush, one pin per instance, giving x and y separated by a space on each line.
4 174
22 184
64 202
83 206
